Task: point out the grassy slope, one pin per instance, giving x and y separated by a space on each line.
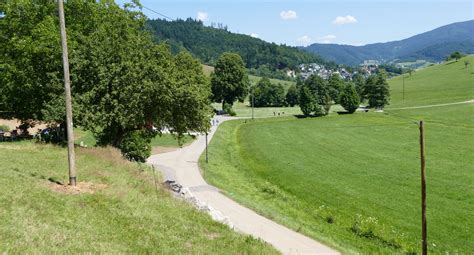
126 216
444 83
310 172
243 109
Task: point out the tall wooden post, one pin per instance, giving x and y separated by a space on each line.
67 90
424 245
403 86
253 103
207 157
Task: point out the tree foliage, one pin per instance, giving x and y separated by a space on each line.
336 84
268 94
377 90
455 55
349 99
122 82
314 96
292 96
229 80
359 82
208 43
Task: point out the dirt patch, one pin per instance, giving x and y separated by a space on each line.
80 188
161 150
14 123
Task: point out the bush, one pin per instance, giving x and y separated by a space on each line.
228 109
135 145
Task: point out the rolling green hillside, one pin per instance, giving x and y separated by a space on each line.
353 181
115 208
444 83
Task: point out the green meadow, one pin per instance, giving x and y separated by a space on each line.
353 181
118 210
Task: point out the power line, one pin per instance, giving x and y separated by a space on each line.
160 14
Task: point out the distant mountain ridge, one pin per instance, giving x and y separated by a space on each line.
433 45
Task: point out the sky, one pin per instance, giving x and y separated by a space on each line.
302 22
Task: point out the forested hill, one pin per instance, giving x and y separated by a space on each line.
207 43
433 45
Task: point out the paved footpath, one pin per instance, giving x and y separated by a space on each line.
182 166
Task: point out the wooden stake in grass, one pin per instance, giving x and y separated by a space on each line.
424 244
207 157
67 90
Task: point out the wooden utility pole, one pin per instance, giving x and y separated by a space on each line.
403 86
207 158
253 102
424 244
67 90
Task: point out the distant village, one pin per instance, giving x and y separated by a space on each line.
367 68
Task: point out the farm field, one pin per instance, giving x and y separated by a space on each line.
353 181
119 211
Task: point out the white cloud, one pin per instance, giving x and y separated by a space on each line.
304 40
327 39
202 16
286 15
254 35
341 20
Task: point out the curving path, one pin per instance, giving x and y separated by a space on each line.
182 166
433 105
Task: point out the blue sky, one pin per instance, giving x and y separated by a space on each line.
301 22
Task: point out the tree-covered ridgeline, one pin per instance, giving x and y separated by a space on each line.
208 43
122 82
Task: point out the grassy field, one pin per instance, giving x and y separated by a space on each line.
353 181
119 211
443 83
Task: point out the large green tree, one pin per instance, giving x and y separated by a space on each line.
292 96
377 90
122 82
349 99
318 101
359 82
336 85
229 81
268 94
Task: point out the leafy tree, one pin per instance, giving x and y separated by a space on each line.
292 96
268 94
359 82
336 84
377 90
122 82
314 96
455 55
229 80
349 98
307 101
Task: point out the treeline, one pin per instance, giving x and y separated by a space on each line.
208 43
316 95
124 85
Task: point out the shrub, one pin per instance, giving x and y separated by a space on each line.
135 145
228 109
